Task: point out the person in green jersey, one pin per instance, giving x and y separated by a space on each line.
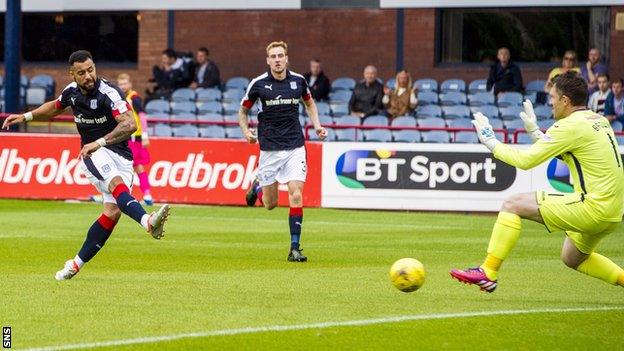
585 141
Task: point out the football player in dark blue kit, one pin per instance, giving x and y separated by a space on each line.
282 150
105 122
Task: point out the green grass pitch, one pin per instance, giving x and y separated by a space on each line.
220 270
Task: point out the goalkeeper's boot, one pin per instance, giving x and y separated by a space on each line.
69 271
156 222
252 193
295 255
475 276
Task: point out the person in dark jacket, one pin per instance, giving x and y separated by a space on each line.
317 81
206 73
504 75
367 95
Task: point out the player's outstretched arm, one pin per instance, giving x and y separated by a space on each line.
243 122
312 112
45 111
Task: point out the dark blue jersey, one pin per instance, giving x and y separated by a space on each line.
278 120
95 112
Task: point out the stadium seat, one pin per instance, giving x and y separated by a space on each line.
158 117
36 96
240 83
331 135
461 123
436 136
426 84
406 136
233 133
427 98
183 107
208 94
481 98
458 111
233 95
376 120
524 138
326 120
323 108
347 121
512 125
403 121
340 96
531 97
431 122
212 132
489 111
466 138
209 107
210 117
230 117
185 131
616 125
535 86
157 106
347 134
43 81
378 135
620 139
496 123
24 81
391 83
545 123
183 117
183 94
451 98
542 111
343 83
511 112
477 86
340 109
230 107
429 111
161 129
509 98
453 85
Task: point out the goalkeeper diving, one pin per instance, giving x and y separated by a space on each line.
585 141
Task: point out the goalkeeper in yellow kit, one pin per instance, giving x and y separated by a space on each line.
585 141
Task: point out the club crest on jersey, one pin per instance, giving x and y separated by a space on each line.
293 85
93 104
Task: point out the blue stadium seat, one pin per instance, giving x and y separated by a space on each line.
348 134
183 107
44 81
343 83
524 138
185 131
531 97
431 122
212 132
466 138
496 123
323 108
233 95
233 133
36 96
461 123
545 123
183 94
509 98
620 139
240 83
512 125
458 111
160 117
403 121
426 84
347 120
378 135
208 94
230 117
427 98
477 86
340 109
451 98
489 111
481 98
340 96
453 85
511 112
376 120
615 125
183 117
437 136
326 120
209 107
408 136
542 111
331 135
161 129
210 117
429 111
230 107
157 106
24 81
535 86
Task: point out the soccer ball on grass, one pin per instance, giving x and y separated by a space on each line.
407 274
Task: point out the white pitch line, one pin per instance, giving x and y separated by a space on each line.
321 325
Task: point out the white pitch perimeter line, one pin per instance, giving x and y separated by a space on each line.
322 325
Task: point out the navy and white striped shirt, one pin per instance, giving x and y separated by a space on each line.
278 120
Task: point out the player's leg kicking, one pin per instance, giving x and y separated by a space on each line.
112 175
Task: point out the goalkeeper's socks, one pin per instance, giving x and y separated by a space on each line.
505 234
295 219
602 268
97 235
129 205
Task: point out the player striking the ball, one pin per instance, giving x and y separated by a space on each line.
105 122
585 141
282 151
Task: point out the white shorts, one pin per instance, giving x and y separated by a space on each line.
102 167
282 166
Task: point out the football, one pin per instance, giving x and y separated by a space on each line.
407 274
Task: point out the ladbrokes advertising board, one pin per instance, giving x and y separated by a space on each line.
198 171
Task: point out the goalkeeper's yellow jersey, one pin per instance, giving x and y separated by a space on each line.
586 143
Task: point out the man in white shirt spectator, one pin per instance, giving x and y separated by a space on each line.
598 98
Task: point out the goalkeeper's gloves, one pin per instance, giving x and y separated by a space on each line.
484 131
530 121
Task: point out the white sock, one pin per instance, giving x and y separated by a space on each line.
144 221
78 261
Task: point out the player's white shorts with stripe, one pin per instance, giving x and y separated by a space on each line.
102 167
282 166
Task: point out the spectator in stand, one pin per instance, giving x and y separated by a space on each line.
614 106
504 75
592 68
598 98
206 73
169 75
367 95
568 64
317 81
401 100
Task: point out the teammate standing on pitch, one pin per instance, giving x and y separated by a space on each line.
105 122
282 151
585 141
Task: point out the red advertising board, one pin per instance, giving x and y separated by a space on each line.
199 171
